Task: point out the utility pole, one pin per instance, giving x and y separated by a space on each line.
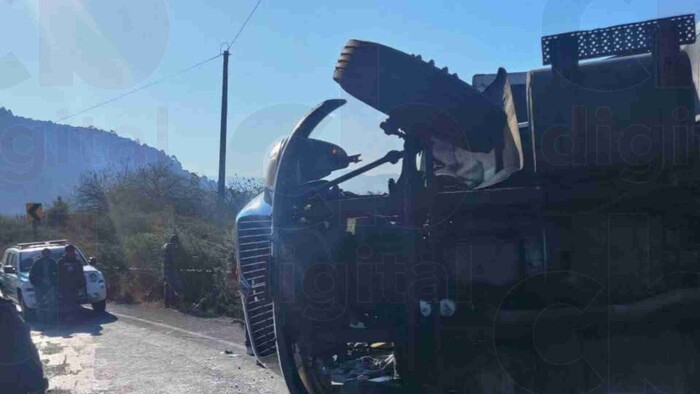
222 142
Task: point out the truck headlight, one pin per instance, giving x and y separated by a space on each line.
92 277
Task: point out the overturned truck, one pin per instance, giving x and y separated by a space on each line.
545 241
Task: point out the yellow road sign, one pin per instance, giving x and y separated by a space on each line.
35 212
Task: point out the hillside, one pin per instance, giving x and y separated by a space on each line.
40 160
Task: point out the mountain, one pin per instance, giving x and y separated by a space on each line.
42 160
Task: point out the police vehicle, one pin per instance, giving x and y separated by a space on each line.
18 260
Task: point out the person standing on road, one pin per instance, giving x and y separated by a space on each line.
44 278
172 284
71 277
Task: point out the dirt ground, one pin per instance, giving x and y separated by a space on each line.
145 349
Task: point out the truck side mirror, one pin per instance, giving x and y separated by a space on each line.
8 269
319 159
92 261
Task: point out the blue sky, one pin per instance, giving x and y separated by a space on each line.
60 58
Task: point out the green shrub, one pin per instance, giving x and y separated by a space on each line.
123 220
126 218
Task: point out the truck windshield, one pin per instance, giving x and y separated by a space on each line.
26 259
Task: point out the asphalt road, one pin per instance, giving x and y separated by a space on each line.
147 349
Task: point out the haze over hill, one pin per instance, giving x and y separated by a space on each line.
41 160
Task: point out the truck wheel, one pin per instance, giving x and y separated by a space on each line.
286 354
411 90
27 313
99 307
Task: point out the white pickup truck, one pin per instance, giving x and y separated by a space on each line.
14 277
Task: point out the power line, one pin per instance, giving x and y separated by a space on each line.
129 93
244 24
157 81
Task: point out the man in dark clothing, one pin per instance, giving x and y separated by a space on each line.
172 284
20 367
71 278
44 277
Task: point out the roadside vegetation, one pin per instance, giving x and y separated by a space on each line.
124 218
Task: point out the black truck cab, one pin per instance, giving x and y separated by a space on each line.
510 254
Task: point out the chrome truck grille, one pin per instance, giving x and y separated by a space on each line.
254 248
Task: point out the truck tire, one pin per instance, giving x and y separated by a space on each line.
414 92
99 307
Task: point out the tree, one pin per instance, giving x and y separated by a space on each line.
240 191
91 192
58 213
